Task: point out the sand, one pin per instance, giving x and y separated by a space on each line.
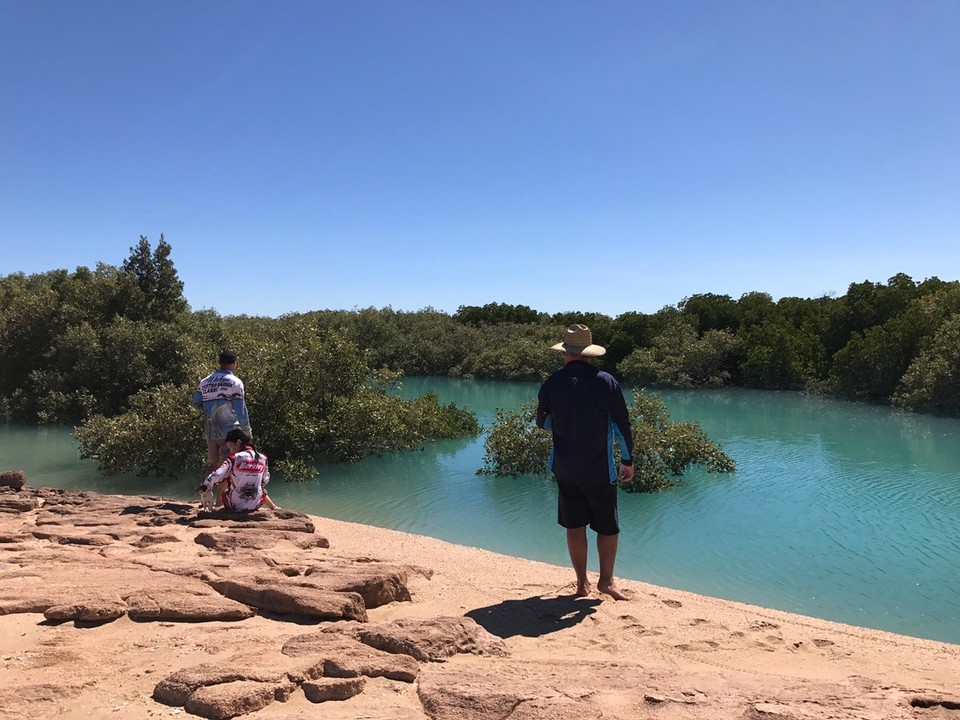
663 654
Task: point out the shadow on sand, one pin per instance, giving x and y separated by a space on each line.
533 616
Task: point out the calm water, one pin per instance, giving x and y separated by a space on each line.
840 511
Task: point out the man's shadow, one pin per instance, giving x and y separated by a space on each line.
533 616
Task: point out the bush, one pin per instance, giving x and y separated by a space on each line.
516 446
311 397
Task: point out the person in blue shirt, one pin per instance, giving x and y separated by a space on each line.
585 410
220 397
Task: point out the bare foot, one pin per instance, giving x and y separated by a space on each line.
613 591
584 590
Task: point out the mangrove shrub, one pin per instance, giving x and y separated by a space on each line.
516 446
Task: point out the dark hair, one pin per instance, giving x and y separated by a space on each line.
237 435
227 357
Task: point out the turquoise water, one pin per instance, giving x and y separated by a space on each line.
841 511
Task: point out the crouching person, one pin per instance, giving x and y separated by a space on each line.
241 477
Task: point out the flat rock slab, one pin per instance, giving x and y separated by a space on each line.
231 699
324 689
185 605
177 688
96 539
377 583
15 504
431 639
253 538
344 657
87 612
293 598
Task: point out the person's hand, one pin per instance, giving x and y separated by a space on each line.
626 473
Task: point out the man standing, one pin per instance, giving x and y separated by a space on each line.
586 412
220 398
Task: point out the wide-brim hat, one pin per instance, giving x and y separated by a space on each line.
578 340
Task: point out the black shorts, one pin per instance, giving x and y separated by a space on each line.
595 506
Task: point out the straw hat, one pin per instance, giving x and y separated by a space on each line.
578 340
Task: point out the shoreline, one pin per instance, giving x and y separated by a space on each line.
672 652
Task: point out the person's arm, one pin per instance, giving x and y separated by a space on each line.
623 433
217 475
197 400
239 404
544 418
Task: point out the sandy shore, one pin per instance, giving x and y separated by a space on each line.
663 654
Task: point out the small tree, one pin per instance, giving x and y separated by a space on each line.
158 291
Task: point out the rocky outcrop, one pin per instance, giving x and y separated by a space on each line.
15 479
92 559
98 564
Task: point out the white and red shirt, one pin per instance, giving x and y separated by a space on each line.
242 477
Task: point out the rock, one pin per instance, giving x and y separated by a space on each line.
151 539
87 612
177 688
253 538
180 604
15 479
514 692
293 598
378 584
345 657
432 639
262 519
325 689
230 699
72 539
19 505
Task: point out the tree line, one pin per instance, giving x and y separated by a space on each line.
117 351
892 342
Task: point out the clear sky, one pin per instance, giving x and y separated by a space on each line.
596 155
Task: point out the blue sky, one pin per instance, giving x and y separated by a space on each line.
603 156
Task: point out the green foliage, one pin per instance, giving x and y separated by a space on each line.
84 342
496 314
712 312
158 291
756 308
932 382
311 397
516 446
158 435
512 352
873 362
662 449
680 359
777 357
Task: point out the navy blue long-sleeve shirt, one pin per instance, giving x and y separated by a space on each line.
585 409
